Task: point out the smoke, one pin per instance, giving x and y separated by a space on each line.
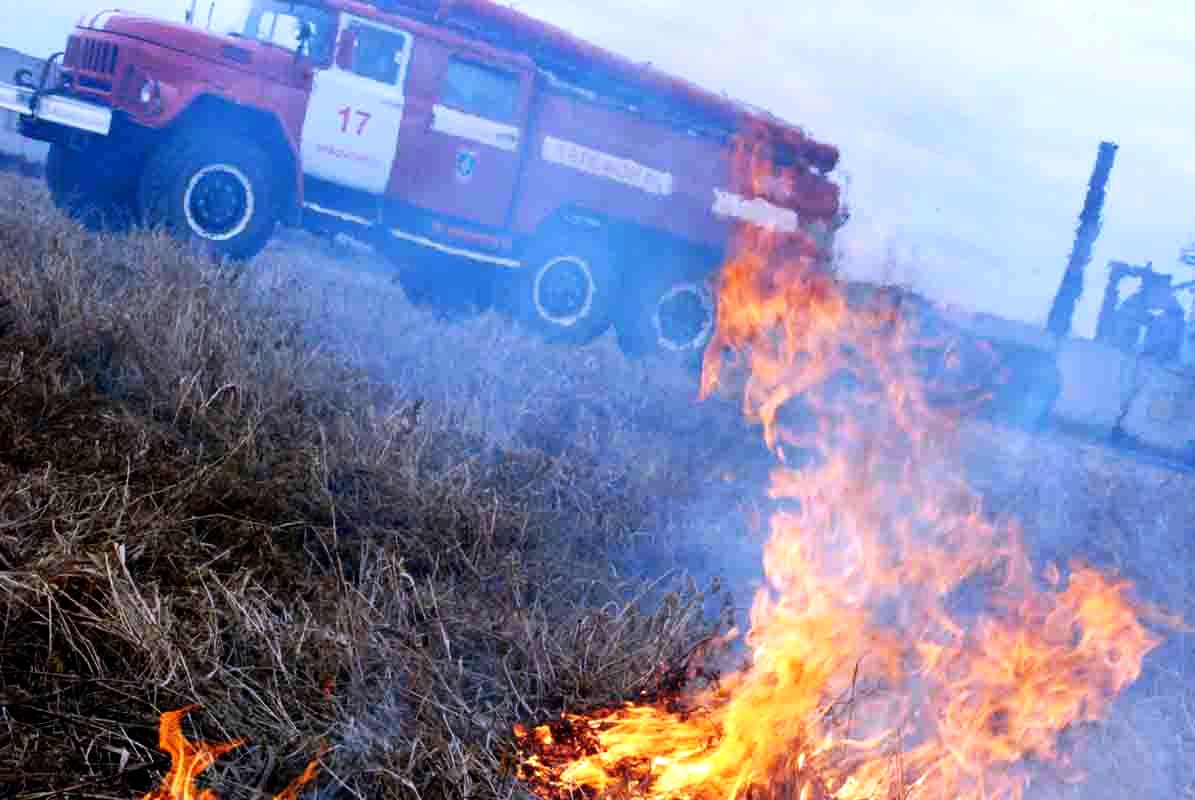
706 470
1078 500
703 471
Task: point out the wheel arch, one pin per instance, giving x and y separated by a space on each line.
261 127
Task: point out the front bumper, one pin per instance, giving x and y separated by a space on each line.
56 109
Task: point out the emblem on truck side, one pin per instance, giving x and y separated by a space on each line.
466 165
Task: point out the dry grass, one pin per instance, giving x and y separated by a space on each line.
200 504
246 490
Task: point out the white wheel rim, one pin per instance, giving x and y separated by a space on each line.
242 223
707 324
566 320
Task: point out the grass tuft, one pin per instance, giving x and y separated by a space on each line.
201 502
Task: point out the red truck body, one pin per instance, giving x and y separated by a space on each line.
461 129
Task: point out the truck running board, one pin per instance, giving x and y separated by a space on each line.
56 109
460 252
414 239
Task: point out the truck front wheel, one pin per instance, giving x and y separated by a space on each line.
92 185
212 188
565 290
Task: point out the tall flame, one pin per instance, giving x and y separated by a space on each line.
903 645
188 760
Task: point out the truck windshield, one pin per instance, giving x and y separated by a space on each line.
279 22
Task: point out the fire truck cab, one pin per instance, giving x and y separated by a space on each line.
499 159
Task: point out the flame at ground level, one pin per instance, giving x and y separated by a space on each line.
190 759
903 645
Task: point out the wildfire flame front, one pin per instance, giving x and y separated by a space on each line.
903 645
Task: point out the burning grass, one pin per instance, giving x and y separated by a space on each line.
905 644
352 544
198 505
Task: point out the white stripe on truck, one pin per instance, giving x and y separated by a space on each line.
472 255
100 21
756 211
475 129
604 165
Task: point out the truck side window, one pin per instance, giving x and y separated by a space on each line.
278 23
278 29
378 54
481 90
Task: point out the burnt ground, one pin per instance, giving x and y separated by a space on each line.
329 516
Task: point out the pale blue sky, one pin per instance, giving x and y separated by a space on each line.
968 133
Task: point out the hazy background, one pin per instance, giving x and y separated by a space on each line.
968 134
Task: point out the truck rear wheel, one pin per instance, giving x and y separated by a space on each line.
565 290
92 185
212 188
672 317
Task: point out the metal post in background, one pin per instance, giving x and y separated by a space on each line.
1062 311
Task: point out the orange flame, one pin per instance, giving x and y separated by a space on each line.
903 645
188 760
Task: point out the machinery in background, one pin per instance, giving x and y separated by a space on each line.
1151 321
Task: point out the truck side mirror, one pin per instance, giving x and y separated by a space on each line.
345 47
306 34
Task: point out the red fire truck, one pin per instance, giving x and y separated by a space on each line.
496 156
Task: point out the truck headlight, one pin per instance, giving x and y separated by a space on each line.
151 96
150 91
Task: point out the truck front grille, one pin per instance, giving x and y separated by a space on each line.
90 63
97 57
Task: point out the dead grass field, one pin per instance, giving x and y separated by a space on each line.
198 503
330 517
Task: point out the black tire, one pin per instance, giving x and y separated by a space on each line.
451 291
566 290
451 288
669 316
93 185
211 188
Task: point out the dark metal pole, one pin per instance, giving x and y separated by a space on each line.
1062 311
